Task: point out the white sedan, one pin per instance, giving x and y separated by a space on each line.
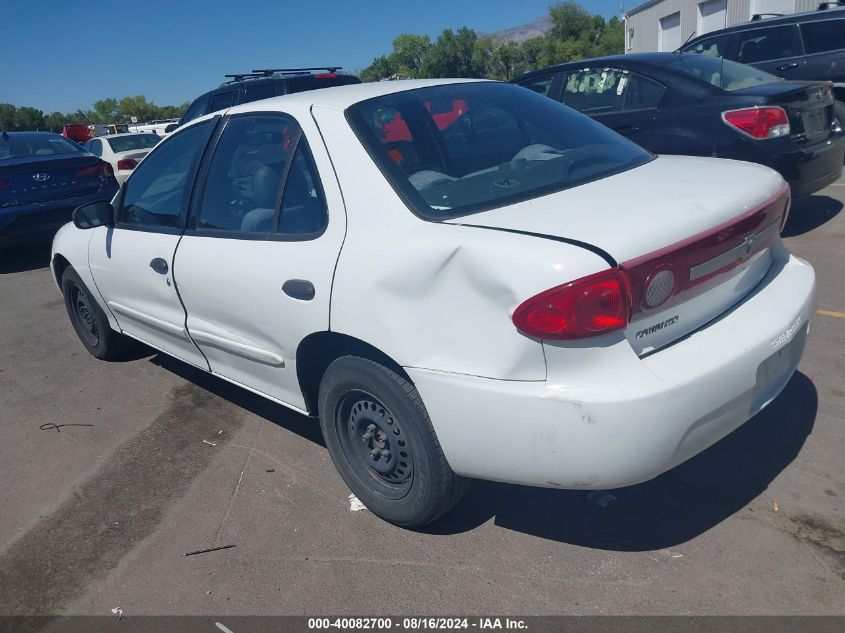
122 151
459 279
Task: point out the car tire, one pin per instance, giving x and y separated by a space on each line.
383 444
88 319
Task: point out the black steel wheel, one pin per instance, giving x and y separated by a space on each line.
383 444
89 321
372 441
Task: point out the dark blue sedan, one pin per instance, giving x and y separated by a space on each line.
43 178
690 104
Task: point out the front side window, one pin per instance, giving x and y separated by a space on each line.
156 195
760 45
507 145
823 36
595 90
245 177
642 93
721 73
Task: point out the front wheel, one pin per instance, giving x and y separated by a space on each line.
89 321
383 444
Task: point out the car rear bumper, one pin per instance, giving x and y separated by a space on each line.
615 419
38 222
812 168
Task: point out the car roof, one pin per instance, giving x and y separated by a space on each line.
793 18
341 97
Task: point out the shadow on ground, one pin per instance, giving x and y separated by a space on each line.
302 425
18 259
667 511
672 509
809 213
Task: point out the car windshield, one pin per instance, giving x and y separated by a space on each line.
26 145
132 142
721 73
457 149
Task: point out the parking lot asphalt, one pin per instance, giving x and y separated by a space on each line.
152 459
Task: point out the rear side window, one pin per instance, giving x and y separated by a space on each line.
95 148
245 177
507 144
824 35
156 195
303 205
761 45
595 90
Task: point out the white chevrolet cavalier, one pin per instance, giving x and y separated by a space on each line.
460 279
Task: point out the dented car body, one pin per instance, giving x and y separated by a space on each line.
559 307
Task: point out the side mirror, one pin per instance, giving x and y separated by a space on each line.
170 128
93 214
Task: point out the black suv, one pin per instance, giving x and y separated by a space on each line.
263 84
804 46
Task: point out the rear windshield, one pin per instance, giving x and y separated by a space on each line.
132 142
23 146
722 73
462 148
315 82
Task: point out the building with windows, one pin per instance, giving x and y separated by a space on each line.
664 25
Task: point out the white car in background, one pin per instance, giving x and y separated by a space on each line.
122 151
510 291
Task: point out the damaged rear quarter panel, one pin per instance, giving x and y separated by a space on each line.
432 295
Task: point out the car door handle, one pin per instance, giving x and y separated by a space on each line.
627 130
159 265
301 289
788 66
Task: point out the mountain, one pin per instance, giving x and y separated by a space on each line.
535 28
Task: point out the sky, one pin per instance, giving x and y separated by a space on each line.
61 55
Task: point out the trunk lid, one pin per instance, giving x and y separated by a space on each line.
711 223
809 106
46 178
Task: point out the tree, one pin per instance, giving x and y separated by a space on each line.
381 68
106 110
408 54
7 117
507 61
29 119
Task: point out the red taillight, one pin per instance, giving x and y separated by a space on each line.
325 76
589 306
103 170
786 208
759 123
127 163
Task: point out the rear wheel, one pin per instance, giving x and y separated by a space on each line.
91 324
382 443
